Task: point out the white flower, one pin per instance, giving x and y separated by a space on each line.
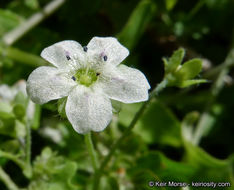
89 76
8 94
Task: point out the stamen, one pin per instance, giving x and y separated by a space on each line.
73 78
105 58
85 48
67 55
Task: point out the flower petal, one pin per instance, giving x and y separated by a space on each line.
88 110
125 84
48 83
63 54
7 93
108 46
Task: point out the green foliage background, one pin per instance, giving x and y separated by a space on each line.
161 147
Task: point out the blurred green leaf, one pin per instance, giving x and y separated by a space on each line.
8 21
10 146
174 61
7 120
181 75
137 23
154 166
20 98
32 4
188 83
202 159
189 69
51 171
170 4
109 183
61 107
5 110
157 124
209 167
116 106
35 122
20 129
19 111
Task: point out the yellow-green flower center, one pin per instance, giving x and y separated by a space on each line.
86 76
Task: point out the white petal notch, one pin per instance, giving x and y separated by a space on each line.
90 77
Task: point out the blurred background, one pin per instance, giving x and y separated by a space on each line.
161 147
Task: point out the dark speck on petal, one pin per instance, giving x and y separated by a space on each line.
68 57
105 58
85 48
73 78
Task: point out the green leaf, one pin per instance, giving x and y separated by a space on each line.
156 125
116 106
61 107
6 110
189 70
20 129
187 83
8 21
20 98
154 166
32 4
199 157
7 126
19 111
127 113
109 183
53 172
209 167
174 61
170 4
35 122
137 23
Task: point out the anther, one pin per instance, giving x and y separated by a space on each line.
105 58
85 48
73 78
68 57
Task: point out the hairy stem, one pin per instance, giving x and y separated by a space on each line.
28 144
93 155
34 20
7 180
98 173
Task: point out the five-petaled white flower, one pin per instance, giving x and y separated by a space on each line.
89 77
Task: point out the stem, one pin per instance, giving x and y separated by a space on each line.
13 158
196 8
34 20
89 144
28 144
202 126
22 57
155 92
7 180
